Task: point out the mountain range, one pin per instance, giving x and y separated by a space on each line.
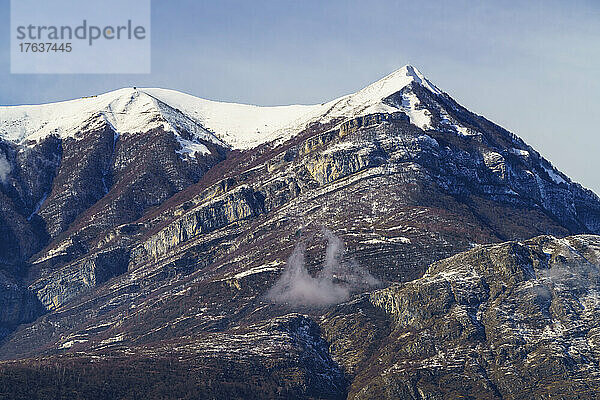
386 244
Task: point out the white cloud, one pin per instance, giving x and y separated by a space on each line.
5 168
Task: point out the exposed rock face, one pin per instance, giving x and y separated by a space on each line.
74 278
100 180
512 166
81 179
140 248
516 320
239 204
22 193
18 304
22 233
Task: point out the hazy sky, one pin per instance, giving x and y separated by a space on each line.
531 66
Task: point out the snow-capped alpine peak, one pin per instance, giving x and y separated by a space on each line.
133 111
393 83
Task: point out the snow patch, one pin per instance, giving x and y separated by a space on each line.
553 175
429 139
68 344
344 146
446 120
272 266
189 148
114 339
40 203
420 117
519 152
385 240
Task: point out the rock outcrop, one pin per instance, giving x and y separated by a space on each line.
517 320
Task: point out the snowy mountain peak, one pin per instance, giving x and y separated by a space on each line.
127 110
371 99
124 109
395 82
418 77
131 111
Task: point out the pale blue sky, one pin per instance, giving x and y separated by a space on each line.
531 66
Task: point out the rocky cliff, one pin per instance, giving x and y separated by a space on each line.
516 320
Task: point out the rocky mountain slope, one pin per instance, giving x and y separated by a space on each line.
145 227
516 320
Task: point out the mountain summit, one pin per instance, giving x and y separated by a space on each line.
238 125
143 232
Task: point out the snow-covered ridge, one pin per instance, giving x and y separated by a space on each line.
128 111
240 126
